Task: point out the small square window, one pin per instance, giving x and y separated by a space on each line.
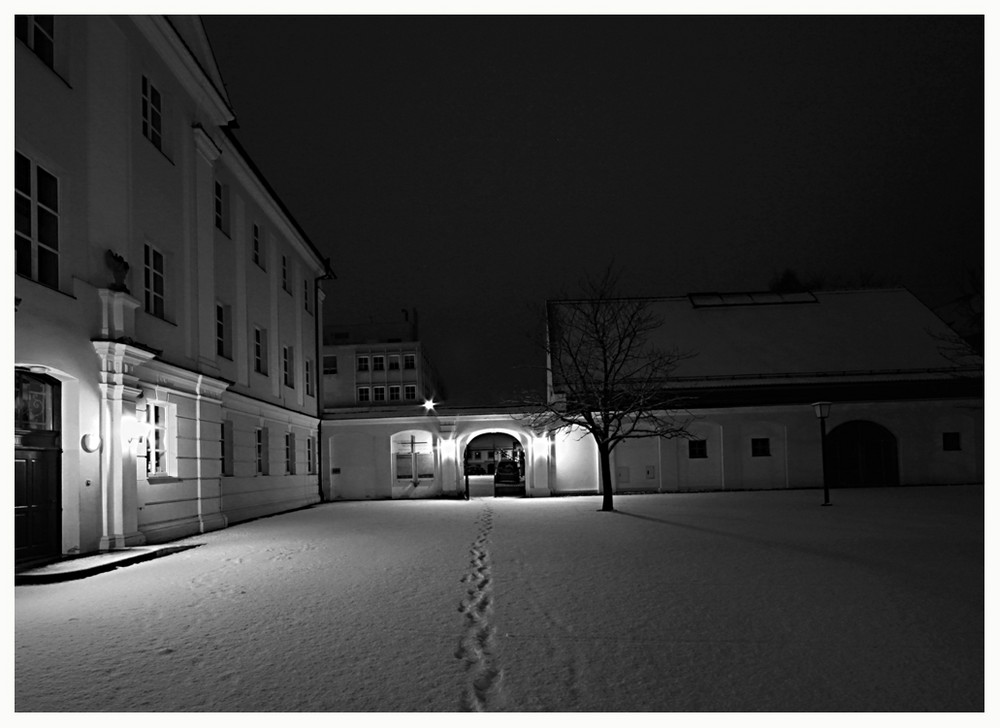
951 441
362 363
697 449
329 364
393 362
410 391
378 363
364 394
394 393
409 361
760 447
378 394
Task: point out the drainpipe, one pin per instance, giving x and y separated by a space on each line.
328 274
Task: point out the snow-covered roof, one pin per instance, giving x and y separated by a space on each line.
851 334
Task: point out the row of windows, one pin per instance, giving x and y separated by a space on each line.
36 222
760 447
378 363
260 353
378 394
161 444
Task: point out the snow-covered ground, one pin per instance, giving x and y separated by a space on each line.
759 601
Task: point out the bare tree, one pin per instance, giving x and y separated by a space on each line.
605 377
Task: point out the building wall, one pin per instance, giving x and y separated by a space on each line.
81 122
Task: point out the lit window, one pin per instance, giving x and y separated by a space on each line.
288 365
153 281
393 362
160 438
222 207
760 447
260 350
409 361
38 32
36 222
378 363
697 449
410 391
329 365
364 394
152 127
362 363
951 441
394 393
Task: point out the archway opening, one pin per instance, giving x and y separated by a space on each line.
495 460
862 454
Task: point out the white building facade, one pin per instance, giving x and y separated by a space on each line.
167 303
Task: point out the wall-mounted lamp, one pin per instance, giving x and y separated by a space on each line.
91 442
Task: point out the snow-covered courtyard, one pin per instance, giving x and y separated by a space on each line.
747 601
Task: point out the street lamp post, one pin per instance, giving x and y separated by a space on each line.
822 410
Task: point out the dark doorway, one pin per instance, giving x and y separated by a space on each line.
37 471
861 454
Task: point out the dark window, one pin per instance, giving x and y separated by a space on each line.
409 361
362 363
394 393
38 32
36 222
951 441
329 364
257 246
153 281
393 362
222 207
152 114
760 447
697 448
364 394
378 363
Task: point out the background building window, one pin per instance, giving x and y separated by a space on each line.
362 363
697 449
364 394
151 113
38 32
393 362
378 363
260 350
329 364
153 281
394 393
378 394
410 391
409 361
951 441
36 222
760 447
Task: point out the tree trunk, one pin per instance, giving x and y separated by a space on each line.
606 486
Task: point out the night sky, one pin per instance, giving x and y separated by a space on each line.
471 167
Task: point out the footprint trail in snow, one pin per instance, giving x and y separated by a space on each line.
483 688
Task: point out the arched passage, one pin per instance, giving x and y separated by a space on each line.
861 453
495 462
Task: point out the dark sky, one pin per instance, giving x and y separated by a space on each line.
471 167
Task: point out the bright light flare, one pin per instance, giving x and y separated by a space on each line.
428 405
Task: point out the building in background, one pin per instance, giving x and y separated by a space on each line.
379 365
906 409
166 358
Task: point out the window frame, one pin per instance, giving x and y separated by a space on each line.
409 362
160 435
309 378
364 394
951 441
257 246
378 362
30 39
223 330
327 369
760 447
260 350
697 449
288 366
394 393
410 392
151 112
221 207
362 363
154 303
30 241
